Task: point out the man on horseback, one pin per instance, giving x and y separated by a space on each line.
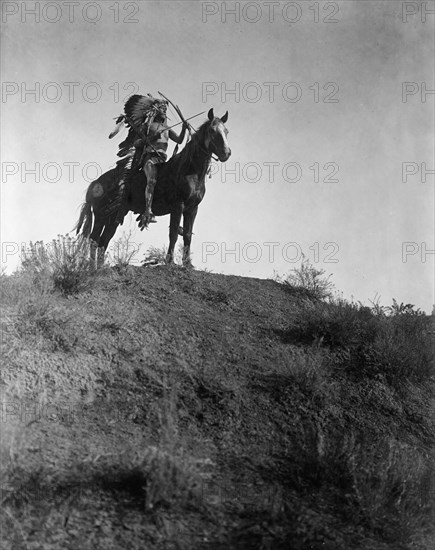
144 148
154 153
181 185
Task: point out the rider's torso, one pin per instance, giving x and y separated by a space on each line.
161 143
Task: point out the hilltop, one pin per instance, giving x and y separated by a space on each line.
164 408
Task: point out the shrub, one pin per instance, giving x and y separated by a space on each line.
123 250
336 324
403 348
403 309
394 344
309 282
65 262
157 255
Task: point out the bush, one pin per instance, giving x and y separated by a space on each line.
394 344
308 282
403 348
123 250
157 255
65 263
336 324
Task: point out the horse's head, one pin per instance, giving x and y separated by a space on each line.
216 141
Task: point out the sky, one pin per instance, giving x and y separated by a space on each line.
331 121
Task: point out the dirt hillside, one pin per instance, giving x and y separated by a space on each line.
164 408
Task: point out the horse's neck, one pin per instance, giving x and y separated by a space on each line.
200 158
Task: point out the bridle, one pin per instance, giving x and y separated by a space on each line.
203 148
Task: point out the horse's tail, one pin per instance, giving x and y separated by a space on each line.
85 220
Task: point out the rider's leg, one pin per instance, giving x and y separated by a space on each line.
150 170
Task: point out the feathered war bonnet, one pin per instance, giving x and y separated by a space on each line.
140 110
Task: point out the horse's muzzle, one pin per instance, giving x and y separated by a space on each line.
223 157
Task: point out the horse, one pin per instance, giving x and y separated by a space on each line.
179 190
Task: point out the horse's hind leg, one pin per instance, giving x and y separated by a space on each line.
109 230
173 234
95 240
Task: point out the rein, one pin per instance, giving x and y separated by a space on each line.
202 148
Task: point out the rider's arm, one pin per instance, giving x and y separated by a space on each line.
178 138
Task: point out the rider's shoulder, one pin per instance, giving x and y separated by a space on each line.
159 125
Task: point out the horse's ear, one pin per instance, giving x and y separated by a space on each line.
225 117
210 115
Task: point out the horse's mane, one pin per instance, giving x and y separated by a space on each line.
192 148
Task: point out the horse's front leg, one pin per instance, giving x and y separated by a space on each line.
173 233
188 221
